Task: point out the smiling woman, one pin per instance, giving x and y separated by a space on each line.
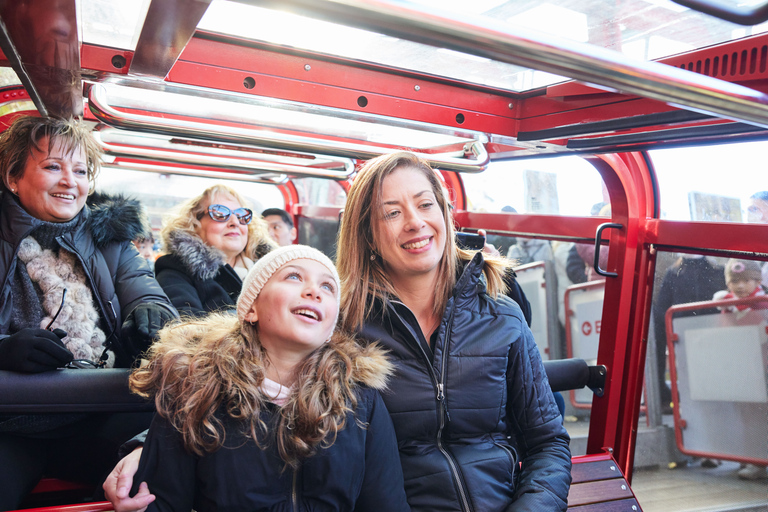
211 241
51 244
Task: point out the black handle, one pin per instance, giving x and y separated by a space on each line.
598 237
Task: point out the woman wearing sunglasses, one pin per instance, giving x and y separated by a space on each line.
211 242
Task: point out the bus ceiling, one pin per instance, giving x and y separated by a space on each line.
186 79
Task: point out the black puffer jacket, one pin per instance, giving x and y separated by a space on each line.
195 277
118 276
469 409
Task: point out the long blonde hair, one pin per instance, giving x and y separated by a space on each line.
363 278
187 215
199 368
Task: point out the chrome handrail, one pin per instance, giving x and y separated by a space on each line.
99 106
221 162
164 169
496 40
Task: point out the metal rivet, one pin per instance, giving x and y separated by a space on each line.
307 67
511 106
634 507
613 468
623 487
416 88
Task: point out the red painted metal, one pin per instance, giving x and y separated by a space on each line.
102 506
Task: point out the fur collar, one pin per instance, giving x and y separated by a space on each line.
116 218
199 259
369 363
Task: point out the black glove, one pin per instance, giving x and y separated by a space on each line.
34 351
141 326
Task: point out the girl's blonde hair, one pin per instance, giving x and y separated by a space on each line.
187 218
200 367
364 278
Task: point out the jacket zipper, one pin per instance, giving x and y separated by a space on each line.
442 408
295 492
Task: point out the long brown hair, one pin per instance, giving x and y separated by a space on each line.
199 368
363 278
186 218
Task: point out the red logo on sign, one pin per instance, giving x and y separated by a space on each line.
586 328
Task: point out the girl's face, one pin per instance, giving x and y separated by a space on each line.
230 236
54 186
742 287
297 308
409 229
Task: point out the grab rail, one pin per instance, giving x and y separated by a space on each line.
99 106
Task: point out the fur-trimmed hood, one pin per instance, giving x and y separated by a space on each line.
200 260
369 363
116 218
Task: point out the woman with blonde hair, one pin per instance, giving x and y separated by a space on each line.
469 398
211 241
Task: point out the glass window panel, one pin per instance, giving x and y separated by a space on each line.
693 186
557 186
320 192
714 374
112 24
643 29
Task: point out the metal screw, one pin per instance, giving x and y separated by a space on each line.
613 468
307 67
416 88
634 507
511 106
623 487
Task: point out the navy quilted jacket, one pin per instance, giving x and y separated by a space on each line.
476 423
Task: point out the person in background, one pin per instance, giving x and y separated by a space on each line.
280 225
757 212
692 278
248 405
210 241
145 244
74 287
742 277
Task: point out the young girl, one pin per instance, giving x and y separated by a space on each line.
271 409
742 277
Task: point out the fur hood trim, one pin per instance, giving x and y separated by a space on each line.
200 259
370 365
116 218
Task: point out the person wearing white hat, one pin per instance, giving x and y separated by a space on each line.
271 408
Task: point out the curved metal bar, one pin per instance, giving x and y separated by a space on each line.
163 169
733 13
97 102
221 161
499 41
598 236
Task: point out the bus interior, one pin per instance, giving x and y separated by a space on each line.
636 128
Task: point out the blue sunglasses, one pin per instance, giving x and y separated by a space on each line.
220 213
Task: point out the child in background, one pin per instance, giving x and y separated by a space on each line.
742 277
270 409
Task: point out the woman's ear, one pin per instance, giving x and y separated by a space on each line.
252 315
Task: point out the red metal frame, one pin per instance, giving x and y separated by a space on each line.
672 338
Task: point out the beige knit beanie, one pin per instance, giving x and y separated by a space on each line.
268 264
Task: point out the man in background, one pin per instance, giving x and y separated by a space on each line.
280 226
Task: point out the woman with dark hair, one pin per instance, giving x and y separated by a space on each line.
73 287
